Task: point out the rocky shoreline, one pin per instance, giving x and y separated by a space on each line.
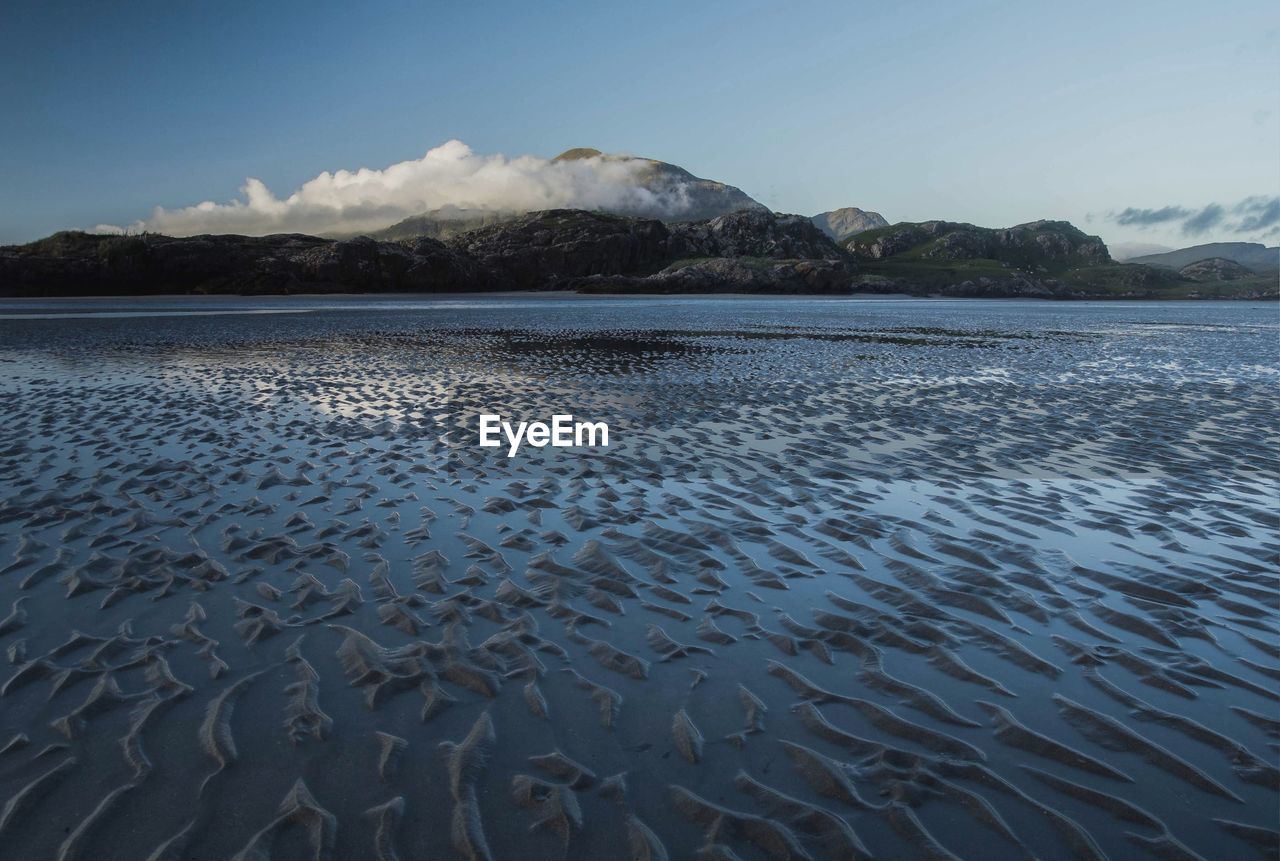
750 251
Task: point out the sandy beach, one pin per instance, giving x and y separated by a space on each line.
891 578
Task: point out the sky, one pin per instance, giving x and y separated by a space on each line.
1142 122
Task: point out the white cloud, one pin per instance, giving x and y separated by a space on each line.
448 175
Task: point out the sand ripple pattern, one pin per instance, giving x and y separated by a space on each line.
891 580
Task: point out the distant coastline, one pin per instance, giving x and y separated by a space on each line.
746 252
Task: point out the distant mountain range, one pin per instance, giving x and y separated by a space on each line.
1252 255
672 232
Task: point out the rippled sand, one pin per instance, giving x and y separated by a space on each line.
894 579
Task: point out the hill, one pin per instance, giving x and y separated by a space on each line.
675 195
840 224
1041 259
1216 269
702 198
1253 255
1038 246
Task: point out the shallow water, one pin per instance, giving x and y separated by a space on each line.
904 577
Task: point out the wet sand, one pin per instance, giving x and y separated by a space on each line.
893 579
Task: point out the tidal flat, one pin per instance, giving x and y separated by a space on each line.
854 578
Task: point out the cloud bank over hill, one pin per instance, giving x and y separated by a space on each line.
450 175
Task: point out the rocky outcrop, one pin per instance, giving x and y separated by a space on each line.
1038 246
840 224
542 250
1215 269
754 234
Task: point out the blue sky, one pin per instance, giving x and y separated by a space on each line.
990 112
